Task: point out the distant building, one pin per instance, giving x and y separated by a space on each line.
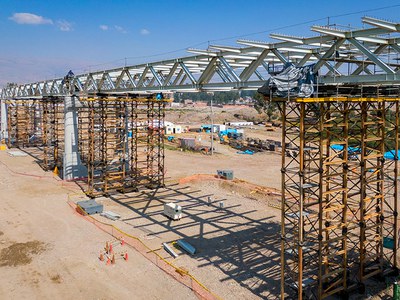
171 128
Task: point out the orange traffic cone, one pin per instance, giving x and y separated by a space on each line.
108 261
126 256
113 259
101 256
111 248
122 241
55 171
107 248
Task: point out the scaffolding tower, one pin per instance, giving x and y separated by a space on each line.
52 133
339 193
24 121
121 143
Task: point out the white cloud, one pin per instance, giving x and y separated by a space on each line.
120 29
64 25
144 31
30 19
103 27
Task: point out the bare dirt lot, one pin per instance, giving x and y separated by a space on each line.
48 252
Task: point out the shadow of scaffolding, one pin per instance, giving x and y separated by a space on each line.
243 247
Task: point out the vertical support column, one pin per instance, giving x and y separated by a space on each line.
11 123
83 132
72 166
300 242
282 108
332 210
290 269
300 198
353 175
45 132
132 135
160 143
3 120
390 210
92 158
151 129
372 195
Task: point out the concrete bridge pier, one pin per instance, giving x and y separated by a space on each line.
3 120
72 165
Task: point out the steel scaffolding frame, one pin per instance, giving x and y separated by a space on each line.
52 133
124 140
23 120
339 194
83 133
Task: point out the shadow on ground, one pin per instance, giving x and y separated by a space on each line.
243 247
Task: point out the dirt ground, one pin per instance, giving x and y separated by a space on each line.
47 251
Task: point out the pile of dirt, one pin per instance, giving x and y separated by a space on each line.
19 254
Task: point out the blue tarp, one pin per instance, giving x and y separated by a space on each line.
228 131
390 154
351 150
355 150
246 152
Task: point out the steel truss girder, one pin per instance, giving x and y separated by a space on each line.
369 56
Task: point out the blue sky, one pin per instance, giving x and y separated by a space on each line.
44 39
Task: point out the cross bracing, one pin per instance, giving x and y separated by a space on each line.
365 56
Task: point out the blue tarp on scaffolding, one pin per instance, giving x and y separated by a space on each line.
391 154
351 150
